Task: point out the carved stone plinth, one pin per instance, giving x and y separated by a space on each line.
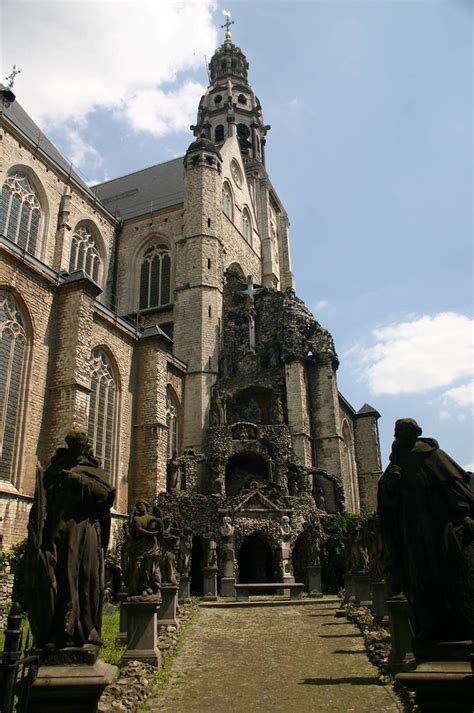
349 588
209 580
314 580
184 592
228 563
401 632
363 594
227 586
74 688
169 602
441 677
142 638
379 608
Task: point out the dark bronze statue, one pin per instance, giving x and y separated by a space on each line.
68 534
426 510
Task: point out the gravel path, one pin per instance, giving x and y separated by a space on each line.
297 659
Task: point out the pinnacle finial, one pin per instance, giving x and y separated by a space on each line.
11 77
227 24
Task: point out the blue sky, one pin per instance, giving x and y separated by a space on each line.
370 151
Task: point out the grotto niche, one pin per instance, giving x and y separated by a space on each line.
243 469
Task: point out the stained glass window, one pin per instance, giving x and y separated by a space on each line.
20 212
13 342
84 254
102 410
155 277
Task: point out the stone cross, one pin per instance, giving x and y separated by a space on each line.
11 77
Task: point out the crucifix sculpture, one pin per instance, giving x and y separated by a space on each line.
250 293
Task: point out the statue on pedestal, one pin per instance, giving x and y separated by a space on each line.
209 548
426 510
142 552
173 474
68 533
185 551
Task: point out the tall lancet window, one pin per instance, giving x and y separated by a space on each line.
20 212
13 346
101 427
246 226
227 205
155 277
84 253
172 422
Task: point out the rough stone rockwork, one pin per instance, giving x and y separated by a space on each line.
157 312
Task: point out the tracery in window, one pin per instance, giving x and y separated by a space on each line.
20 212
246 225
84 253
102 410
155 277
13 343
227 206
172 421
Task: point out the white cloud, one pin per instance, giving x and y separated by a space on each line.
293 103
461 395
469 466
80 150
322 304
445 415
419 355
79 56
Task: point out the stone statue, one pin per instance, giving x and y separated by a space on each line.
142 552
227 530
185 551
426 511
285 528
209 548
378 553
171 540
173 474
68 534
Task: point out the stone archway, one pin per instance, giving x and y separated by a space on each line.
256 560
242 469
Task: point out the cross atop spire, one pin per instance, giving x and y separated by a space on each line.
227 24
11 77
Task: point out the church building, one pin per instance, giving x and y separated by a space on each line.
158 312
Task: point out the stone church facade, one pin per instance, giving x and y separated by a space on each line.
158 312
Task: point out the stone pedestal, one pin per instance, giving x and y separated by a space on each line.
121 638
142 638
363 595
442 677
379 608
227 586
401 633
184 592
169 601
75 688
314 580
209 582
349 588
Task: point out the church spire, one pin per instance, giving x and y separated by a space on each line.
229 106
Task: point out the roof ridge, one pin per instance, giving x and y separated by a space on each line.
140 170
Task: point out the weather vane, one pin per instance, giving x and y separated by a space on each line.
12 76
228 22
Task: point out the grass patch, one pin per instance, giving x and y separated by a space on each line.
110 652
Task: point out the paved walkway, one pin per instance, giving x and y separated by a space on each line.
296 659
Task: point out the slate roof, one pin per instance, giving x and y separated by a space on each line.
145 191
25 124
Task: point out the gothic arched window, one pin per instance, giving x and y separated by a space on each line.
101 426
20 212
84 253
13 345
219 134
227 204
155 277
246 225
172 421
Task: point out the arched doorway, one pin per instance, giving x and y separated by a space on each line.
256 561
196 584
242 469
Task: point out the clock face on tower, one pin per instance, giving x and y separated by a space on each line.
236 173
